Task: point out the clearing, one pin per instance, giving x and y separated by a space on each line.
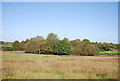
19 65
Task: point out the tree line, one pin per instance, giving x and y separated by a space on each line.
53 45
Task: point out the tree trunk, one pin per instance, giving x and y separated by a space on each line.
39 51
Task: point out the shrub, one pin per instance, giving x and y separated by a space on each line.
76 50
62 48
7 48
16 45
89 50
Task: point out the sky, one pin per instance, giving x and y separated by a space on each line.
0 21
60 0
96 21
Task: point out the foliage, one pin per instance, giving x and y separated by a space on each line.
66 39
86 40
30 48
53 45
7 48
51 40
89 50
1 42
76 50
16 45
75 43
62 47
105 46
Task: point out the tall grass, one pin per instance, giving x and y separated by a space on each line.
17 65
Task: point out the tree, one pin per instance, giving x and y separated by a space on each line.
52 37
76 46
105 46
41 47
21 45
35 45
75 43
52 45
16 45
26 44
62 48
76 50
1 42
31 48
51 40
89 50
66 39
38 38
86 40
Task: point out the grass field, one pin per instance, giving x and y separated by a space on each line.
18 65
109 52
6 45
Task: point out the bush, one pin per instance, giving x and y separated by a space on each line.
7 48
16 45
89 50
76 50
62 48
30 48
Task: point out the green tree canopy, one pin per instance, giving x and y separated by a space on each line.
16 45
75 43
105 46
66 39
86 41
62 48
51 40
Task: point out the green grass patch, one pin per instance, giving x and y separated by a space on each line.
109 52
101 76
6 45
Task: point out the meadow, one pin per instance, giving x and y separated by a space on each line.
6 45
18 65
109 52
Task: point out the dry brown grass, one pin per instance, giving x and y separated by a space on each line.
17 65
